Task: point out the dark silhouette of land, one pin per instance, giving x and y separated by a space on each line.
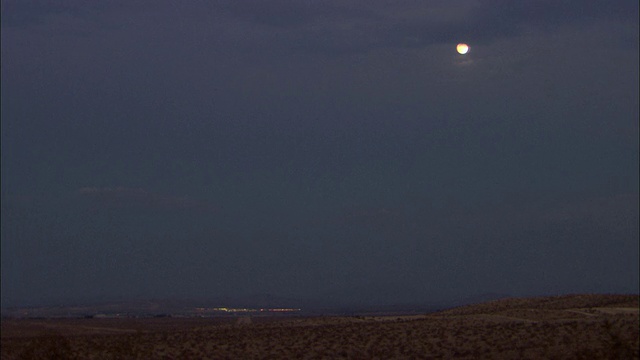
558 327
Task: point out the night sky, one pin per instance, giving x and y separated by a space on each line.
333 150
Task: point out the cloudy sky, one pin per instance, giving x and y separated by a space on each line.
337 150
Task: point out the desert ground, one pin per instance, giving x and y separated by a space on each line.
560 327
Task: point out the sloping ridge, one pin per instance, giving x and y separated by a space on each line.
562 302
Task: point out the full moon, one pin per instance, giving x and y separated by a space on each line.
462 48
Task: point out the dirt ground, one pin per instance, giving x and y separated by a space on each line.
567 327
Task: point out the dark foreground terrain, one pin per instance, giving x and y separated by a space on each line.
563 327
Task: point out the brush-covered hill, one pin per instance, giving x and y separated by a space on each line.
567 305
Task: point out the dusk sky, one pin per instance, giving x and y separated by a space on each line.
334 150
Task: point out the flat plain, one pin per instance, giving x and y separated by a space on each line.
556 327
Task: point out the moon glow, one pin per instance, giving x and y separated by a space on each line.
462 48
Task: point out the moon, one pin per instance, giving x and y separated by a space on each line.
462 48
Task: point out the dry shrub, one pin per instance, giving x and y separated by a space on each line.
48 346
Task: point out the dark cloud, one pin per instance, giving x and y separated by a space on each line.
549 12
358 26
336 26
127 197
290 14
618 208
36 12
